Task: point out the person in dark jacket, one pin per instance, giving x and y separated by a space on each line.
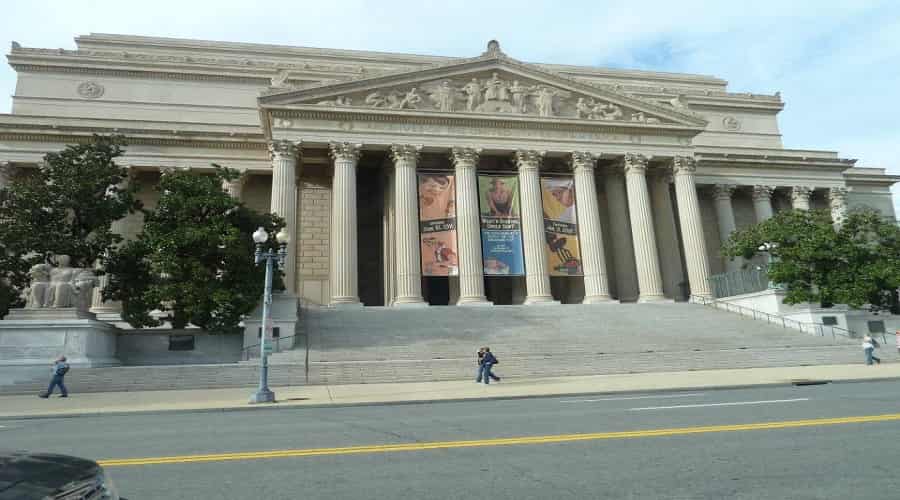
488 360
60 368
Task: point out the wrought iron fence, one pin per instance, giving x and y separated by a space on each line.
739 282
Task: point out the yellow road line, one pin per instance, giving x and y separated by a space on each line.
440 445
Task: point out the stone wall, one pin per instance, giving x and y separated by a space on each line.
151 347
314 228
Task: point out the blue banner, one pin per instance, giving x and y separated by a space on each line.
501 227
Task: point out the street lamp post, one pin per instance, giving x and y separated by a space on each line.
260 237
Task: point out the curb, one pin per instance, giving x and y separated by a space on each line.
783 383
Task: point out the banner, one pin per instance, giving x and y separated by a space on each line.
561 226
437 224
501 228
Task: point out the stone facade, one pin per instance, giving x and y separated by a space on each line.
666 164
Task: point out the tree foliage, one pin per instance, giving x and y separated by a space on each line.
66 206
857 264
194 258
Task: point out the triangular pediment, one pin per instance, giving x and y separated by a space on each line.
492 84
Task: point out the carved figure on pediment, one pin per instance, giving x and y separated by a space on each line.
583 109
545 98
643 118
520 96
338 101
473 91
444 96
679 102
608 111
376 100
280 79
409 100
496 89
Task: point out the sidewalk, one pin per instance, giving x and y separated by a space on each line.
12 407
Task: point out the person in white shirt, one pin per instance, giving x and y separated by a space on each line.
869 345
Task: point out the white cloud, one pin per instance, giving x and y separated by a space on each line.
834 61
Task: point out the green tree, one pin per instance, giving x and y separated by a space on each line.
66 206
857 264
194 258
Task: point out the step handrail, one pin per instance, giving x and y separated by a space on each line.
805 327
252 351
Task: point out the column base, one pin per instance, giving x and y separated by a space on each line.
700 299
599 299
410 303
541 301
655 299
474 302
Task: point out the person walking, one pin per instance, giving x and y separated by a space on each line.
479 357
60 368
869 345
488 360
897 340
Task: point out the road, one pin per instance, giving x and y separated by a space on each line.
812 442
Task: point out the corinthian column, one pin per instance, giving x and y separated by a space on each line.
722 194
645 253
800 197
837 199
468 228
762 202
537 278
406 202
284 202
344 252
596 280
695 255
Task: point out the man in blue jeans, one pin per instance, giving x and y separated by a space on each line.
488 360
60 368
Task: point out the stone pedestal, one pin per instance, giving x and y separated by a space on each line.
285 315
35 337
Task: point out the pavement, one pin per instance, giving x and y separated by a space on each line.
212 400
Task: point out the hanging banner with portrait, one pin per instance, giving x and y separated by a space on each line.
501 227
561 226
437 224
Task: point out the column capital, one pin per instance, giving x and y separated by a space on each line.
723 192
684 165
405 152
801 193
529 159
281 150
762 192
582 160
346 151
464 157
634 162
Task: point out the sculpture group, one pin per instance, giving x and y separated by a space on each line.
61 286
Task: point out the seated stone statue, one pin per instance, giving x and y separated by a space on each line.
62 283
37 295
85 281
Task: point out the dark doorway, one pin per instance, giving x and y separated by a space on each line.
436 290
370 248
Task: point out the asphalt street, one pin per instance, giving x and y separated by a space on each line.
810 442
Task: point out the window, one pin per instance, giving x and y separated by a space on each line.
276 332
181 342
829 320
876 326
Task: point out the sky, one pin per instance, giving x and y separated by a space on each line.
836 63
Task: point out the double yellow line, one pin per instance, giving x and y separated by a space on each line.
442 445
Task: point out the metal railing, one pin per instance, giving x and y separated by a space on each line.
739 282
818 329
279 344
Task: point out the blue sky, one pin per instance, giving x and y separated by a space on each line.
836 63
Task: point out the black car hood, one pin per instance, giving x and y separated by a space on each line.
26 475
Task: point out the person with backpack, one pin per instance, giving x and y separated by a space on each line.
488 360
60 368
869 345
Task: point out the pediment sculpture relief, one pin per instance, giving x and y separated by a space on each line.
493 95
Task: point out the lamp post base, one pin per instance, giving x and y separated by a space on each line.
262 396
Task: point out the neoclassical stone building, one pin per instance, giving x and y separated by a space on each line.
632 179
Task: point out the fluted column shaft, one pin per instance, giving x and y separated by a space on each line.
344 251
409 259
284 202
800 197
593 256
762 202
722 194
837 199
695 255
537 277
110 310
235 187
468 227
642 233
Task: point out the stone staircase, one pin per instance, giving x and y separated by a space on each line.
377 344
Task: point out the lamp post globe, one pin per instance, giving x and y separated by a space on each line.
260 236
283 238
